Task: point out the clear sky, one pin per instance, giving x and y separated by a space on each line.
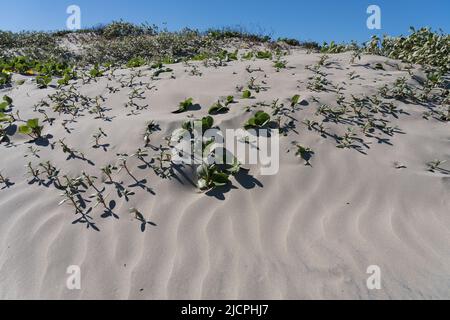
319 20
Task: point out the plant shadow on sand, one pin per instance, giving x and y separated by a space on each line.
243 178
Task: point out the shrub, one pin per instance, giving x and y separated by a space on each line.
118 29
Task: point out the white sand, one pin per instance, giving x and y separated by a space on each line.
305 233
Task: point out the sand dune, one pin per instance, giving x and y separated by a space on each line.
309 232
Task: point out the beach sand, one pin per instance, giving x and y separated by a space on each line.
308 232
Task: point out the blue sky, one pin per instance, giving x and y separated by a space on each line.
319 20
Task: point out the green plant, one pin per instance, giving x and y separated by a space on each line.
108 171
435 165
246 94
229 100
305 153
32 129
209 176
95 72
248 56
280 64
6 181
226 56
68 75
295 100
43 81
5 78
7 101
218 107
136 62
260 120
264 55
184 105
97 136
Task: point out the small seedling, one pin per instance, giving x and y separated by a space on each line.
140 217
32 129
95 72
304 152
295 100
151 127
260 120
184 106
108 171
97 136
280 64
311 125
7 102
246 94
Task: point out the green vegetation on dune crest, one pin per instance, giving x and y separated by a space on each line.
83 88
123 43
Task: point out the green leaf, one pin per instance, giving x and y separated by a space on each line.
7 100
184 105
3 106
258 121
230 100
24 129
246 94
220 179
295 100
262 118
5 118
207 123
217 108
33 123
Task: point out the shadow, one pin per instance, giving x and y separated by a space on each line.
247 181
304 103
43 141
219 193
108 213
8 184
87 220
144 223
179 170
104 147
141 184
194 107
11 130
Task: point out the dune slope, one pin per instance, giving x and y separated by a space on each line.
307 232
